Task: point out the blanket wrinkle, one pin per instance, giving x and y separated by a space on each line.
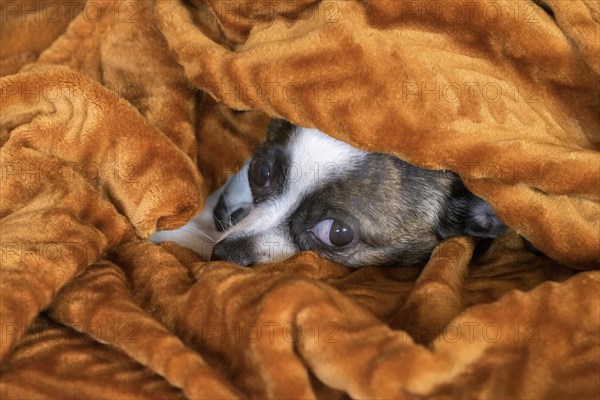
85 108
580 21
149 78
438 287
50 355
20 40
69 235
92 299
59 173
119 118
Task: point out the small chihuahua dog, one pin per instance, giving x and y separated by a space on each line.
304 190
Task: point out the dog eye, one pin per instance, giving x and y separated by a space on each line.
260 174
333 232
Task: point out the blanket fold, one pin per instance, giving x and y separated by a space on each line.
70 191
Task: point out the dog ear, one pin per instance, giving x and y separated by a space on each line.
481 220
280 131
469 215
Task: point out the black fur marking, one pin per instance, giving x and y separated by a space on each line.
467 214
238 250
275 153
280 131
277 157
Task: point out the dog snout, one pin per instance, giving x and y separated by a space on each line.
237 250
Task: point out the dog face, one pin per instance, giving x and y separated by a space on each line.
313 192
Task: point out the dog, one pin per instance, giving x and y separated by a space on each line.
304 190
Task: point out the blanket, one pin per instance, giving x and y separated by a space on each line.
118 118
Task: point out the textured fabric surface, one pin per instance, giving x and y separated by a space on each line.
118 118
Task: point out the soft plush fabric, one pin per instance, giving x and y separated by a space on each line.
118 118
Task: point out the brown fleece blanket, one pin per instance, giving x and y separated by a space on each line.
117 118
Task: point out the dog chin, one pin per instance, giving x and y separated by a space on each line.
271 251
200 234
249 248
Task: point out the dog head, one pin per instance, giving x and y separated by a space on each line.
312 192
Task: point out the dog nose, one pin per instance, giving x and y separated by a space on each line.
237 250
